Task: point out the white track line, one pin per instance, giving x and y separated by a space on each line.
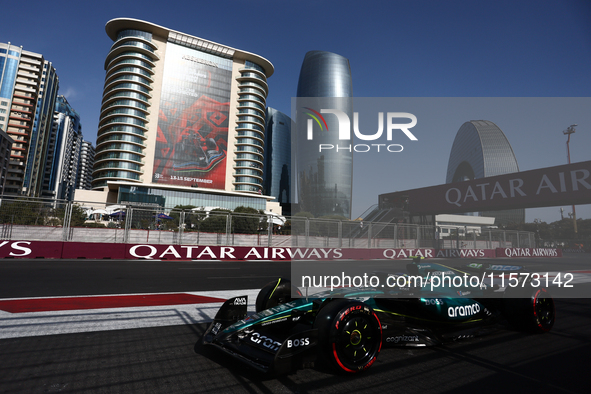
17 325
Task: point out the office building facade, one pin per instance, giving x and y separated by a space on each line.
85 164
28 90
277 167
5 148
181 116
324 180
481 149
63 154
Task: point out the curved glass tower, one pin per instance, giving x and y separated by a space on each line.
324 179
480 150
250 129
182 120
125 110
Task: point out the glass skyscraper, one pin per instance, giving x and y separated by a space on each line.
480 150
63 154
277 168
324 179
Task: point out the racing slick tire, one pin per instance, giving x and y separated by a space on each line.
535 313
275 293
349 335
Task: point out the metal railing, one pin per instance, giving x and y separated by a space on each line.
55 220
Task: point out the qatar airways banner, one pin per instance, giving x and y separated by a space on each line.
553 186
85 250
528 252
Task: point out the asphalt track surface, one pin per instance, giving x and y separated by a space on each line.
162 360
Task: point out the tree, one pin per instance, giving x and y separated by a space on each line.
216 221
246 220
23 211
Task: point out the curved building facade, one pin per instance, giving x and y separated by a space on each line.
480 150
324 179
181 113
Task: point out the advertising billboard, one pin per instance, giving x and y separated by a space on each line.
191 146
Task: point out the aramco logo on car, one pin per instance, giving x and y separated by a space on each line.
344 130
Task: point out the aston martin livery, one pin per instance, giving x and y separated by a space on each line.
347 328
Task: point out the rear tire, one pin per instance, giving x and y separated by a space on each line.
349 335
275 293
535 313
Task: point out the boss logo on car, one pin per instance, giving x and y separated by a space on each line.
298 342
265 341
240 301
433 301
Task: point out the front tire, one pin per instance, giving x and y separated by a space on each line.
275 293
349 335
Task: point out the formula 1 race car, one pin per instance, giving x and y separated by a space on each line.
346 328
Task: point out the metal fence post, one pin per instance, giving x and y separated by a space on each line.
181 226
128 221
228 228
269 231
67 220
307 232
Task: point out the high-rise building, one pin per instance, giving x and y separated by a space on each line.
480 150
63 153
28 89
5 148
277 167
324 179
85 164
182 120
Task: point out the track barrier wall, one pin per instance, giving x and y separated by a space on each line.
89 250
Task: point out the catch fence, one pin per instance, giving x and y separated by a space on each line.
54 220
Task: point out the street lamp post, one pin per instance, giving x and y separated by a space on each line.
570 130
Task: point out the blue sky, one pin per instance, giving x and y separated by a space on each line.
396 49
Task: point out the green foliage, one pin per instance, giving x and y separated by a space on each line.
192 219
216 221
23 211
246 220
78 216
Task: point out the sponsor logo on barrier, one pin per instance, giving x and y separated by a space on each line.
18 250
406 253
530 252
472 253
